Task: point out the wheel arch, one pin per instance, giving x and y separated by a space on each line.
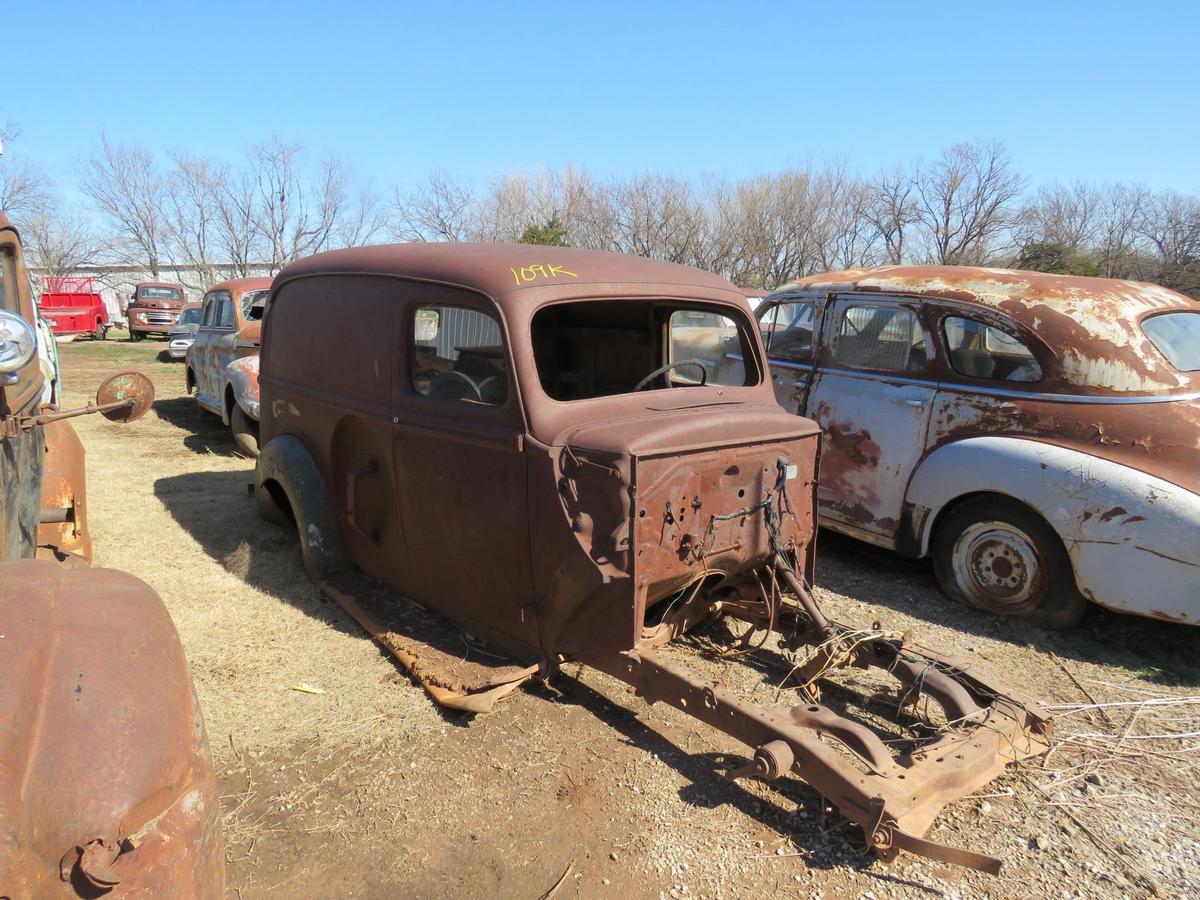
289 486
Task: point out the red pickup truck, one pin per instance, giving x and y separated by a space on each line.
72 305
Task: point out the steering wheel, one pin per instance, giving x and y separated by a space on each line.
667 368
454 385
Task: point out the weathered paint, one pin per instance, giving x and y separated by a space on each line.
63 531
242 375
601 527
160 314
1133 539
1090 325
214 347
102 747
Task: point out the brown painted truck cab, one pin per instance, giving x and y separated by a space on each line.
579 455
106 783
154 308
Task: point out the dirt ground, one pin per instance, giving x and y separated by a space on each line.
576 787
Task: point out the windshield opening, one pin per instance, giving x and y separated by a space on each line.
598 348
1177 337
158 293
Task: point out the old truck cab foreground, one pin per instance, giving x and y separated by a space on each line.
548 447
106 784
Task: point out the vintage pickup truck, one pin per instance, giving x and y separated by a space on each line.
106 783
542 445
73 306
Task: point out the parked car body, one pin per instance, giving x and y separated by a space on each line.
73 306
226 311
106 783
154 308
48 358
549 447
1036 434
183 332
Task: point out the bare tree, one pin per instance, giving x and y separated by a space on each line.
364 221
891 209
234 234
128 190
190 214
965 201
57 239
24 186
1116 243
1170 223
296 211
439 210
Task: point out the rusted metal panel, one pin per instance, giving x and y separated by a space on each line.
105 773
62 529
1091 325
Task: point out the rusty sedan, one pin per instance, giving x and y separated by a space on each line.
1037 435
222 338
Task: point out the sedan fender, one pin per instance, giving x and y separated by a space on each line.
1133 539
242 377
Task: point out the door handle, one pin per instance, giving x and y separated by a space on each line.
908 401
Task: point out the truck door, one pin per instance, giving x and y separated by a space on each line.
459 461
871 395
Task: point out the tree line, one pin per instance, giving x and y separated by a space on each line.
277 202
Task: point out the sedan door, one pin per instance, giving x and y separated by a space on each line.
788 328
200 353
871 395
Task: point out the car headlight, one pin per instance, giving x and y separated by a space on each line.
141 317
18 342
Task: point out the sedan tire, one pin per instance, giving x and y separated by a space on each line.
999 556
245 431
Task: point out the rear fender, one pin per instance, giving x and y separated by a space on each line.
242 375
1133 539
286 472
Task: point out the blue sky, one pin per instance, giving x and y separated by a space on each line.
1096 91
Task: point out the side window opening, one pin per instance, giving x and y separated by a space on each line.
982 351
885 338
227 320
458 354
787 331
206 319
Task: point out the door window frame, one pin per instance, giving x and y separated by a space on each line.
831 333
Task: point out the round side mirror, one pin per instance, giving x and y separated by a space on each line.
132 388
18 343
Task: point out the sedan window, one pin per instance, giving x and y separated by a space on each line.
981 351
787 331
1177 337
227 320
884 338
458 354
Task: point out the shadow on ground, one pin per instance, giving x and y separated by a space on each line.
204 431
1161 651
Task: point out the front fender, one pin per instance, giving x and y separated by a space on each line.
1133 539
242 376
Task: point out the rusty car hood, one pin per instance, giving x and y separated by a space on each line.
674 425
87 653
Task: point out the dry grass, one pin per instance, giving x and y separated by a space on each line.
367 790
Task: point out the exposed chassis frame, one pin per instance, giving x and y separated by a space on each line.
892 798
